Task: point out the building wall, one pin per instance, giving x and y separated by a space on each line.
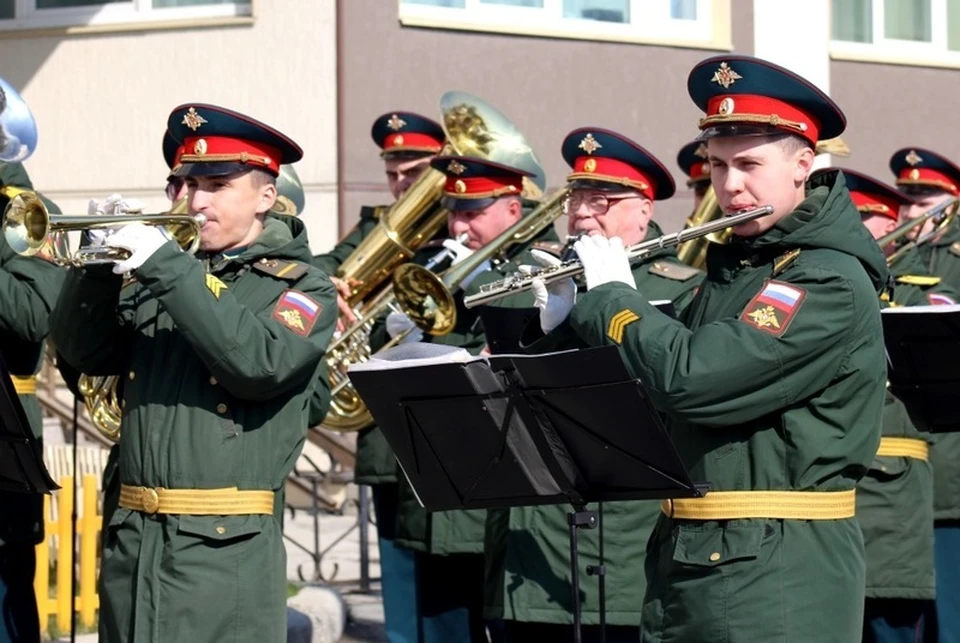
893 106
101 100
547 86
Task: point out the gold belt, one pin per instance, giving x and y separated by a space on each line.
775 505
904 448
197 502
25 384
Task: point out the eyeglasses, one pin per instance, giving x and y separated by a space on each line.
596 203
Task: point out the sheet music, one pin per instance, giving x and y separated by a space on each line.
899 310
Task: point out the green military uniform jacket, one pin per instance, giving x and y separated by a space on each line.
369 218
218 374
29 287
895 498
458 531
942 258
528 548
759 397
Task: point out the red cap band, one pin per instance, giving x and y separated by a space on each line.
481 187
926 176
223 149
875 204
414 141
600 168
700 171
761 110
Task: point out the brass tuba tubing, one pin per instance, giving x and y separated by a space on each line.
941 215
522 282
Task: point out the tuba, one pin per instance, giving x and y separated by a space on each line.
18 128
103 404
472 128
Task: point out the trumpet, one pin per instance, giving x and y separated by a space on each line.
28 228
522 282
941 215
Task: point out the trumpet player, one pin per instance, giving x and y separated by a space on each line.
219 353
484 199
692 160
613 187
774 387
29 287
932 179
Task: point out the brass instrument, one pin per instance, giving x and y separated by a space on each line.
694 251
941 215
521 282
18 128
472 128
28 227
428 299
103 404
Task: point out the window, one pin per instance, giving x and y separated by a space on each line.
41 14
906 31
692 22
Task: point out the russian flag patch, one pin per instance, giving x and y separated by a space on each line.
774 307
297 311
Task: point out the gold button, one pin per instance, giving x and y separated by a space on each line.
131 375
213 381
151 500
714 557
221 408
220 529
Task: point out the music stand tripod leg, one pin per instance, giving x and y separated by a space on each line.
578 519
600 571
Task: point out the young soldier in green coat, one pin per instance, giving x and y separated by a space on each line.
613 187
484 200
895 498
931 179
220 353
29 287
407 143
773 390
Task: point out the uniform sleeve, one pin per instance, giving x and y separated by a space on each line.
29 287
250 352
89 325
730 371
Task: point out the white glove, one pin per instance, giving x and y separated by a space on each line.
554 301
398 323
604 261
113 204
141 240
460 251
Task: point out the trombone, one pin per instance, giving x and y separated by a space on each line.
522 282
28 228
942 215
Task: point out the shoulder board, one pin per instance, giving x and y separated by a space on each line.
282 269
553 247
955 248
782 262
675 271
373 211
918 280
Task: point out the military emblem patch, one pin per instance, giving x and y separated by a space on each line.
619 322
297 311
939 299
214 285
774 307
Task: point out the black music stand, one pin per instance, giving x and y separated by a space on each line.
923 350
570 427
21 460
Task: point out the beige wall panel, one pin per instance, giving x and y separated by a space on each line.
101 100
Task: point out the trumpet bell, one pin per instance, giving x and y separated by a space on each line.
18 138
